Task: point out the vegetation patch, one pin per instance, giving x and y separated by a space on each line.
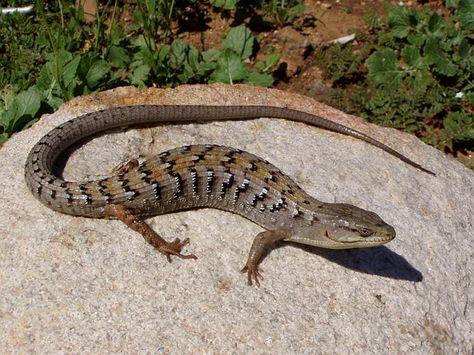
413 70
56 55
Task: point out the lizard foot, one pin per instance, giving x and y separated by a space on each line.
254 273
263 242
125 167
174 248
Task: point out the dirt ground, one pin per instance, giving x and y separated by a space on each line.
322 22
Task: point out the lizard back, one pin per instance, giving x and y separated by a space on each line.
204 176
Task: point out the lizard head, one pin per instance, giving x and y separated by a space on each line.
343 226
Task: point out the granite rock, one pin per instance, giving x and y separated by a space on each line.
77 285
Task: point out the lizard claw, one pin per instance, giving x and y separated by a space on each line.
254 273
174 248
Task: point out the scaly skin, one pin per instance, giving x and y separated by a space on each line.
204 176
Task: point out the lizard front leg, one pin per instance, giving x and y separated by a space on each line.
263 242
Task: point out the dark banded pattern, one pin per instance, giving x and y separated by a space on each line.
196 176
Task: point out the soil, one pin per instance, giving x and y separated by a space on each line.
322 22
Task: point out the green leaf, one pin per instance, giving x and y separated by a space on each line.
192 59
451 4
54 101
3 137
45 80
211 55
119 56
24 107
97 73
470 98
422 81
224 4
70 69
464 50
7 95
271 61
411 56
230 68
416 39
7 119
56 72
62 57
240 40
284 13
117 75
57 75
258 79
465 14
28 102
459 126
400 20
296 11
140 76
384 68
435 22
163 52
192 67
438 58
178 53
147 56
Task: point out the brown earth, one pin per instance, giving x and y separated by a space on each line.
332 19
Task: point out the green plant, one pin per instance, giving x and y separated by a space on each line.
286 11
156 17
416 73
180 62
238 46
277 12
224 4
20 52
79 58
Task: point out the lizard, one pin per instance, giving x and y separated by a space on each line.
204 176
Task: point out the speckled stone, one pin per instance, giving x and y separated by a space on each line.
77 285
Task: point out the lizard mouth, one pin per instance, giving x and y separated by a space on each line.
360 241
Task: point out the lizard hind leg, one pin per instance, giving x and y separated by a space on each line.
262 244
126 215
125 167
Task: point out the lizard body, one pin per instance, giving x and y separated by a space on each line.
209 176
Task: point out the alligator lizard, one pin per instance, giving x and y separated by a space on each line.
204 176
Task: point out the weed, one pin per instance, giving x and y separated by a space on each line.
415 72
285 12
72 57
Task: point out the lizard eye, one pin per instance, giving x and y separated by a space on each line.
365 232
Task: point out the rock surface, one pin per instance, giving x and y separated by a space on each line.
70 284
